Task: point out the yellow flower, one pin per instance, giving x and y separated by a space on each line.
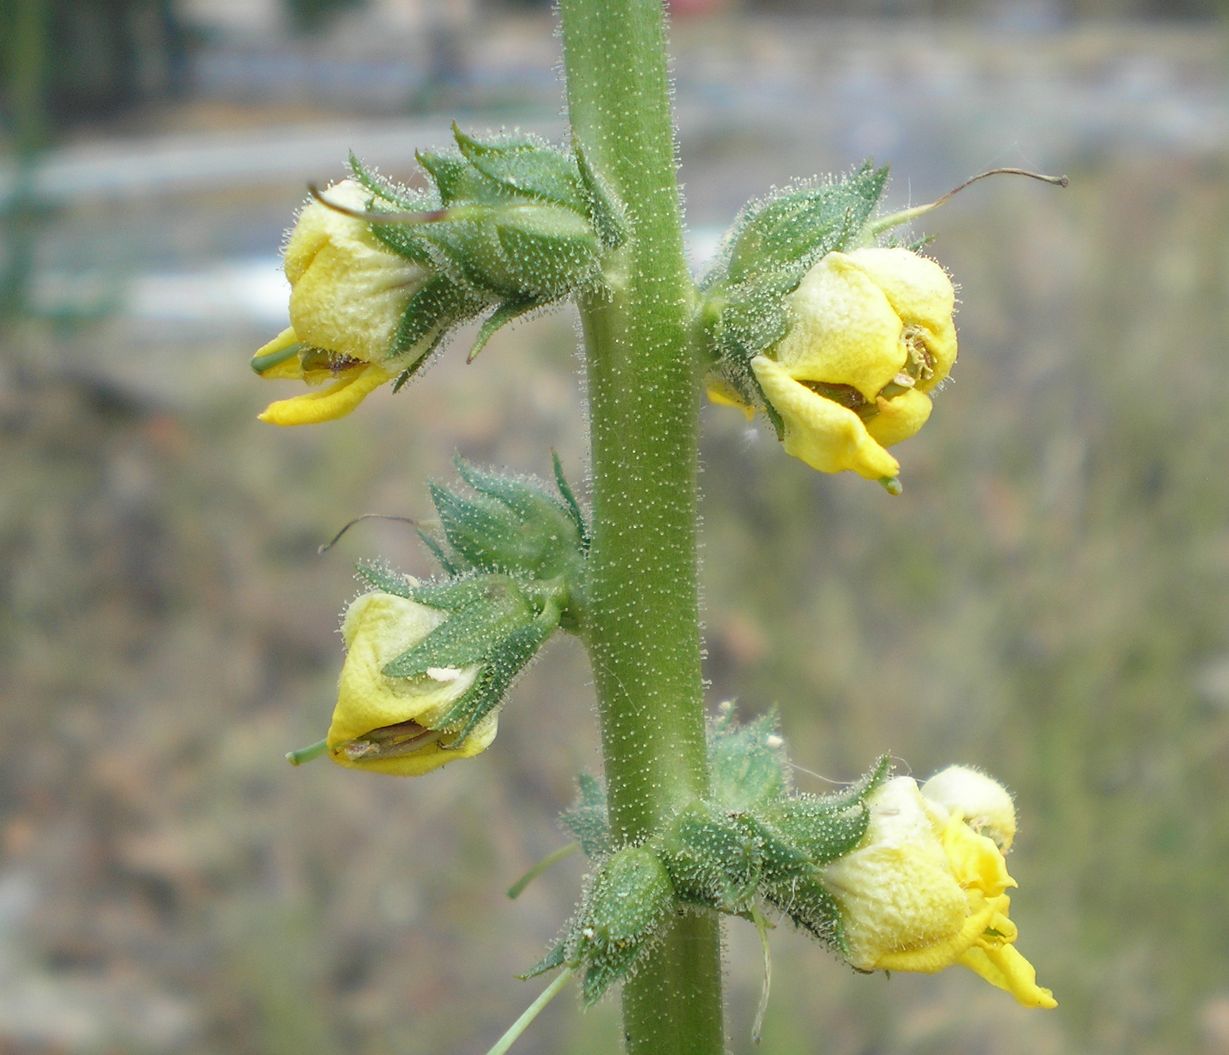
924 891
386 724
347 295
870 334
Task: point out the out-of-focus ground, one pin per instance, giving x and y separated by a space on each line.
1046 600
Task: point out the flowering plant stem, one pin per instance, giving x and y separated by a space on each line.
641 613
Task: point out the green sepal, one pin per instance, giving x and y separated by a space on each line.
517 223
379 576
405 240
467 249
587 818
605 212
820 830
512 525
482 531
438 304
755 316
790 231
410 372
457 593
805 901
499 670
781 863
401 238
772 247
524 497
469 635
515 250
507 312
439 553
713 859
381 187
824 827
565 490
622 918
747 763
857 792
455 179
553 252
525 167
556 958
774 418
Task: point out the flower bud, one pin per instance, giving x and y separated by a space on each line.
622 918
348 293
387 724
870 333
923 891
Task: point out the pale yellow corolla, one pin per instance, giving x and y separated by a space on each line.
348 293
924 891
870 335
385 724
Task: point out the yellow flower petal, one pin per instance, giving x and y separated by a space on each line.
917 288
377 628
317 226
348 290
975 861
1004 966
923 892
899 418
938 953
327 404
922 297
844 330
825 435
897 895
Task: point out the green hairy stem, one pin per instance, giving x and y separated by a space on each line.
641 613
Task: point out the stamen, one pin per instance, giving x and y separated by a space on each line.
919 360
334 362
391 741
846 395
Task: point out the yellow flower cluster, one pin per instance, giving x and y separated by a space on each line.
926 888
386 724
347 295
870 334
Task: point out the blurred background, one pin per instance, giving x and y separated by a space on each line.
1046 600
